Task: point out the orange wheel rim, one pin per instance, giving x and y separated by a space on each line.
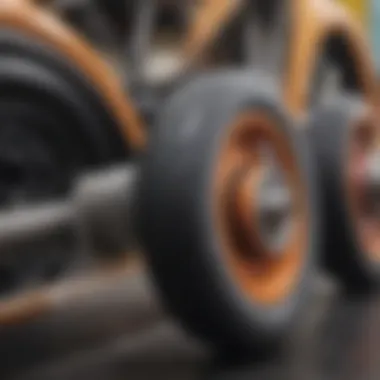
364 184
258 180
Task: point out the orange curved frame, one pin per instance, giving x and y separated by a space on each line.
27 16
313 22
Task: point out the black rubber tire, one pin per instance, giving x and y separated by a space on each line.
53 125
96 129
175 222
342 254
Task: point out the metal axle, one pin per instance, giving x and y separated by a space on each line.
98 212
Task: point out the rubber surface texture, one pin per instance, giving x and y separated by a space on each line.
176 226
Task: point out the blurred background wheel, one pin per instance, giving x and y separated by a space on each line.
346 138
53 126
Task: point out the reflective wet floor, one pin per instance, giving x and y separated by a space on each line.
123 334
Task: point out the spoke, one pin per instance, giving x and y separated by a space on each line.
276 41
265 40
253 39
99 27
137 49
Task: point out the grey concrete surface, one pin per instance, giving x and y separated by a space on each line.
123 333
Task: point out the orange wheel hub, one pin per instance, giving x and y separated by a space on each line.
261 208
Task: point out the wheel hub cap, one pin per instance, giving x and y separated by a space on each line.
274 212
